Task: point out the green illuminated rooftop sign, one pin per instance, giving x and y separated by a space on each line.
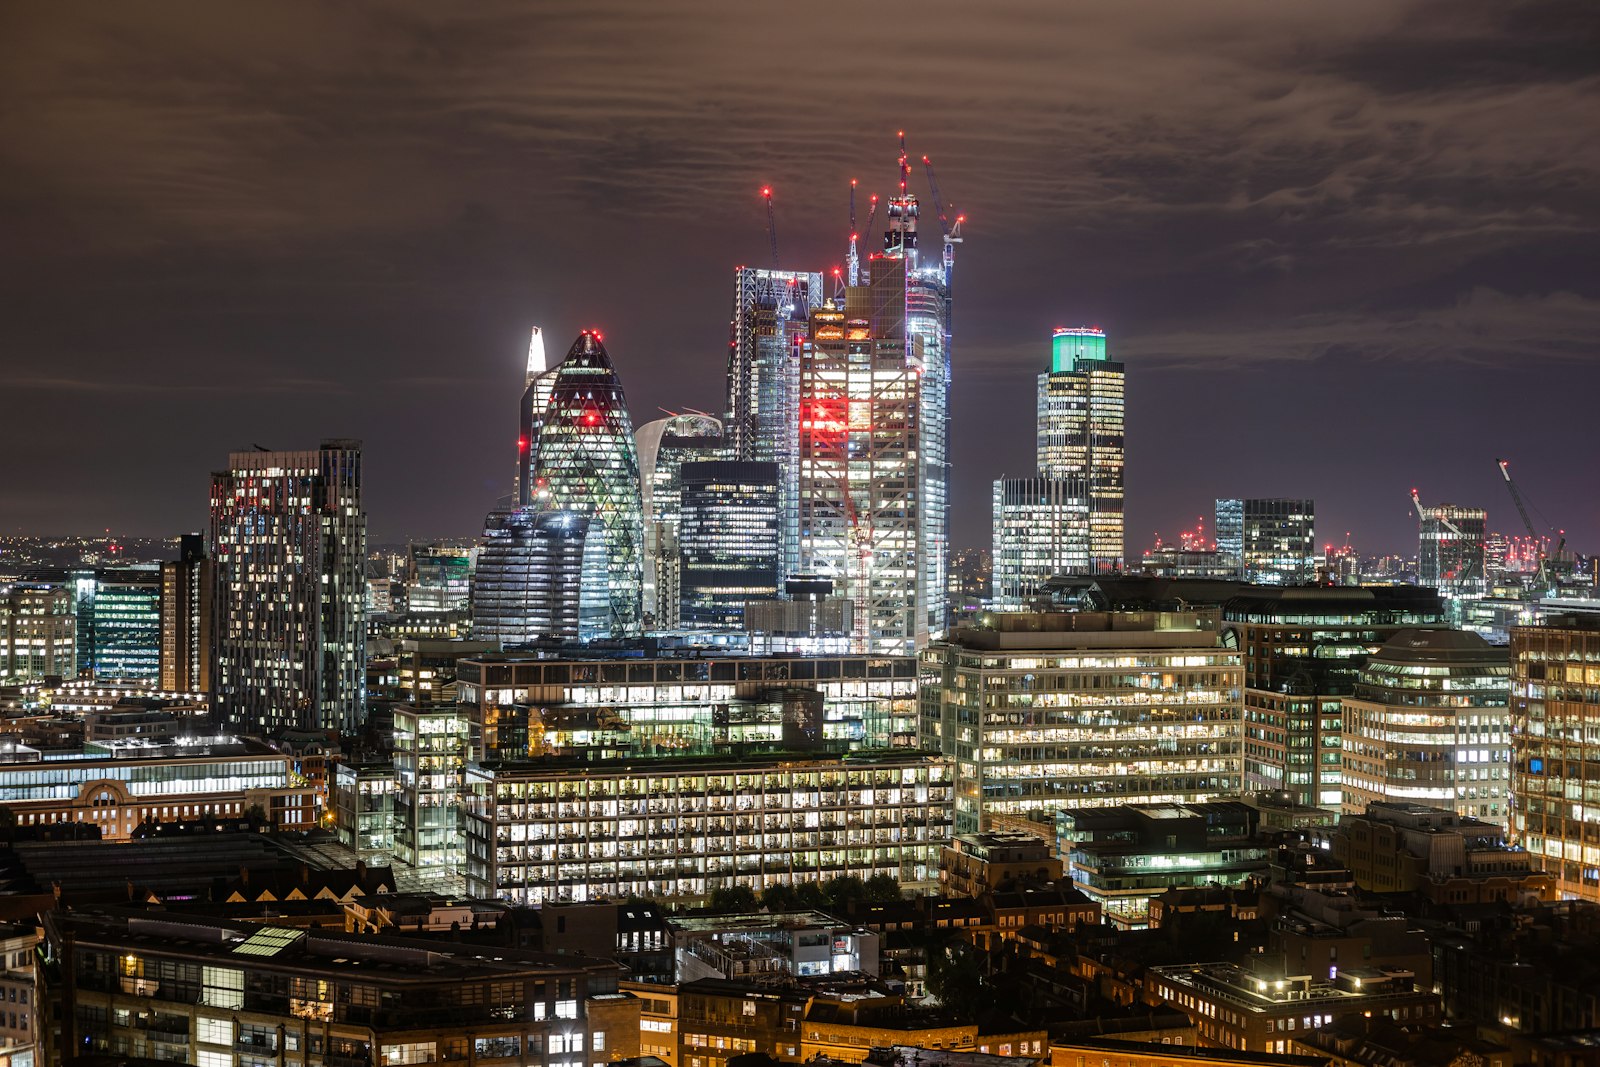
1068 346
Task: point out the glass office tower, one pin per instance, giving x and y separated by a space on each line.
665 445
119 622
1270 541
585 461
731 540
1080 433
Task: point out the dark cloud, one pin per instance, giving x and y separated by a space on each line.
291 221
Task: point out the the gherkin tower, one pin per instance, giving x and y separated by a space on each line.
584 461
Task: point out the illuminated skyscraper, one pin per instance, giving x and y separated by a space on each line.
529 576
289 541
771 313
730 538
665 445
1450 547
440 579
119 622
537 383
860 521
584 461
1041 529
1080 433
1271 541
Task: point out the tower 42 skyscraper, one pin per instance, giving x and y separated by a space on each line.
1081 432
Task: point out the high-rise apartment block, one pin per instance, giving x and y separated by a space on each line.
665 445
1428 724
1040 712
119 622
1080 433
1450 547
1271 541
187 586
289 544
1555 757
731 541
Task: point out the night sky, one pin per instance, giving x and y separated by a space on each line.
1343 249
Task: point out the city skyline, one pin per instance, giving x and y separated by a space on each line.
1368 254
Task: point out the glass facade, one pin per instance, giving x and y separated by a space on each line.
584 461
859 422
1271 541
1555 749
529 575
1428 724
1450 548
119 622
664 447
676 830
731 540
289 549
1126 718
769 323
681 703
1041 529
1080 434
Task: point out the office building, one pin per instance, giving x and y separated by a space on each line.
1123 858
769 946
584 461
1040 712
430 748
1252 1010
214 992
1271 541
289 548
677 828
1450 548
186 618
529 576
770 318
1080 433
810 620
860 523
425 668
1428 724
119 622
441 578
1401 847
1041 529
119 785
38 632
665 445
1303 650
730 541
675 702
1555 755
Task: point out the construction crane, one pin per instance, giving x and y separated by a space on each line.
951 230
1527 523
853 254
872 214
1423 516
772 224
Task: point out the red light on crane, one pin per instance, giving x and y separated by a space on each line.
766 190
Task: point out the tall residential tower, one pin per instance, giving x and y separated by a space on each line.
289 543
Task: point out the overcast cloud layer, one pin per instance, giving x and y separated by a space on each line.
1343 249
